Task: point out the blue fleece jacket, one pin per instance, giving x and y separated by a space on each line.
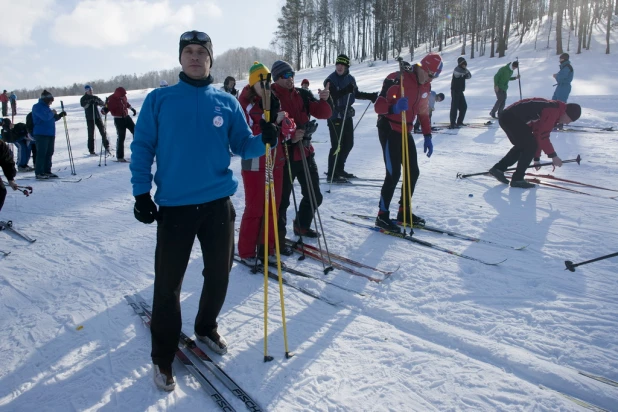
44 119
190 130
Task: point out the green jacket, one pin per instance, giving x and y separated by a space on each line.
501 79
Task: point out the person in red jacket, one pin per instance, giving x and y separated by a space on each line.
389 105
300 106
251 237
118 106
528 124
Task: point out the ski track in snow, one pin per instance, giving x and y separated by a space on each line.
441 333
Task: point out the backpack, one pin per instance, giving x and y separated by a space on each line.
30 123
13 135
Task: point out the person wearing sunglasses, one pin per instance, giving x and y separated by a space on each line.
300 104
416 81
190 127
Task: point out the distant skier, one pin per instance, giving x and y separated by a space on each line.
417 85
433 99
229 86
163 83
90 104
564 78
4 98
501 85
118 106
13 100
343 93
528 124
458 100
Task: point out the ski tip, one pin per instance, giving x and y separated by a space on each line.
521 247
288 355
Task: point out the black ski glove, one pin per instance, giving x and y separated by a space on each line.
270 132
374 97
145 209
62 114
134 112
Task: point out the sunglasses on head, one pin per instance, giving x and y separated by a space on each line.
194 35
287 75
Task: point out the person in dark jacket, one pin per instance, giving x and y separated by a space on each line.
501 85
563 78
44 120
13 101
417 85
528 124
229 86
118 106
458 100
91 104
8 168
300 105
343 94
190 127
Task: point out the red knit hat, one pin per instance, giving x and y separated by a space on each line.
304 81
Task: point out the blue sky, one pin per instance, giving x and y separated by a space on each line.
59 42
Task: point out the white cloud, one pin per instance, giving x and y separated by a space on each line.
19 18
101 24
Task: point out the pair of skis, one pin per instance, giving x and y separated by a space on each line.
187 348
423 242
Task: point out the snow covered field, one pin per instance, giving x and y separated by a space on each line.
440 334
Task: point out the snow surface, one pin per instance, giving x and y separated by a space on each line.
441 334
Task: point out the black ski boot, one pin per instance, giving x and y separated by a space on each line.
384 221
498 174
417 221
522 184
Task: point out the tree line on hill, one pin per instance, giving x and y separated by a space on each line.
314 32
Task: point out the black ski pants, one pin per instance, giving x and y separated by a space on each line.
347 143
305 214
392 154
122 124
213 224
101 127
458 104
524 145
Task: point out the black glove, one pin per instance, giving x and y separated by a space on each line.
270 132
134 112
374 97
145 209
104 110
342 92
62 114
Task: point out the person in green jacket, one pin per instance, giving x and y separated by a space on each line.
501 84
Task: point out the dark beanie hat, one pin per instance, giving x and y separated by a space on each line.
343 59
279 68
440 95
461 60
573 110
47 96
305 81
565 56
193 37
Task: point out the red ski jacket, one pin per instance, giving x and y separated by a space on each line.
117 103
300 108
418 101
541 115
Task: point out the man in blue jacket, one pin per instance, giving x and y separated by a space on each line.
190 128
564 78
343 92
44 131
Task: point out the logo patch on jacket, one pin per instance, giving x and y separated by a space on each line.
217 121
424 95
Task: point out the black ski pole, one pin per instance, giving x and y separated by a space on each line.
287 160
571 266
66 131
518 78
577 160
361 118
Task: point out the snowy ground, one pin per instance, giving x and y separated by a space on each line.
442 333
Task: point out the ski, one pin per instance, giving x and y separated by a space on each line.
208 362
297 272
275 277
447 232
569 181
418 241
603 129
183 357
8 225
599 378
335 256
3 253
575 400
542 183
